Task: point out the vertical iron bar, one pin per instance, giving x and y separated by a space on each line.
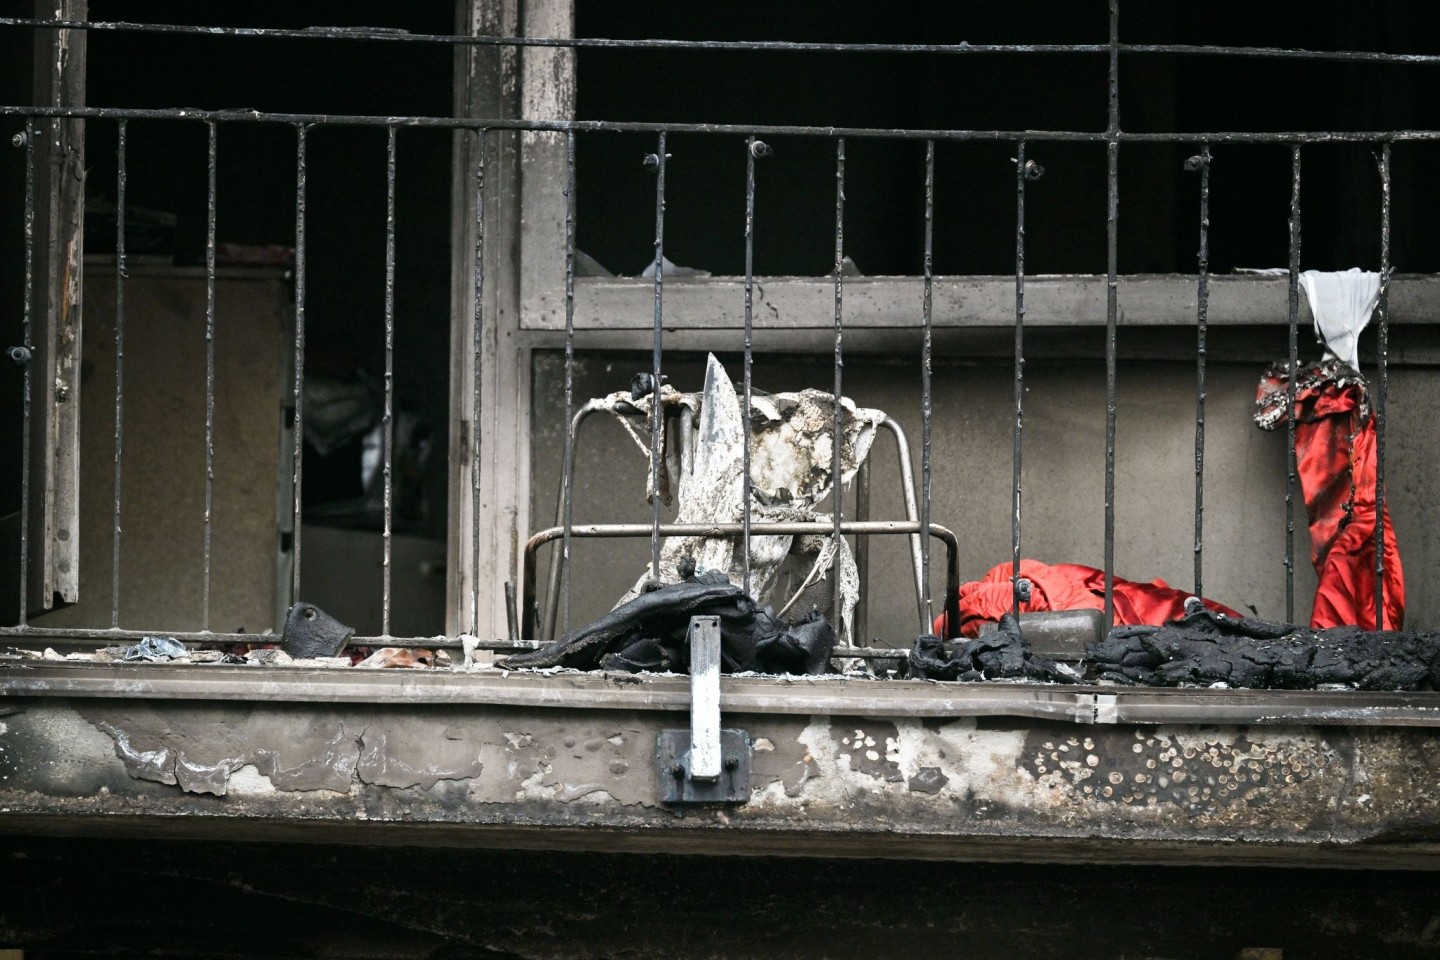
299 454
389 418
475 381
1382 356
1112 154
30 135
861 619
1292 468
656 411
745 480
209 367
1019 426
1202 317
926 406
567 480
120 174
836 607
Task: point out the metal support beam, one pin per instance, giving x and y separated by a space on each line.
704 699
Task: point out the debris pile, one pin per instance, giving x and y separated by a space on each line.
792 439
1205 648
649 633
1001 654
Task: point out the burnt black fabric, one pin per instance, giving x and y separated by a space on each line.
651 633
1204 647
1001 654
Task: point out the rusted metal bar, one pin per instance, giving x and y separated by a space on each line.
759 130
1112 215
838 501
861 616
1382 392
477 347
26 355
656 407
559 589
299 398
1017 431
119 448
209 367
849 527
912 514
1293 366
567 469
1201 162
777 46
753 150
389 415
927 308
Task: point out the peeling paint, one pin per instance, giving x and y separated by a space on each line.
412 756
328 764
248 781
209 778
986 780
156 763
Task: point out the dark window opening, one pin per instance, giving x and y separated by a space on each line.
974 202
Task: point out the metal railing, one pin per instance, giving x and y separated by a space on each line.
750 139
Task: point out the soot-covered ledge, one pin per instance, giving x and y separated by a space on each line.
903 769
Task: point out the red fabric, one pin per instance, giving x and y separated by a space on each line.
1335 455
1067 586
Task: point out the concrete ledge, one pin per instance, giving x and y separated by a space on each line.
797 303
669 693
823 785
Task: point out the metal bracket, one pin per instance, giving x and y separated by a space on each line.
704 764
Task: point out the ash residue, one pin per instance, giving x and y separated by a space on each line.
1000 655
1204 648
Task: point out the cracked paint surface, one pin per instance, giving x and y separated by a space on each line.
980 780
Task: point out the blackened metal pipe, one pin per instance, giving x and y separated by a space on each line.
1112 214
210 154
1292 368
1382 357
657 408
119 448
567 468
838 505
299 398
389 415
476 371
926 398
1201 162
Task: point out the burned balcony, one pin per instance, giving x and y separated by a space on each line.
380 434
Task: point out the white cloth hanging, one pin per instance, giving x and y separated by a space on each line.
1341 302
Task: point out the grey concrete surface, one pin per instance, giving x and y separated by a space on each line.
824 785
